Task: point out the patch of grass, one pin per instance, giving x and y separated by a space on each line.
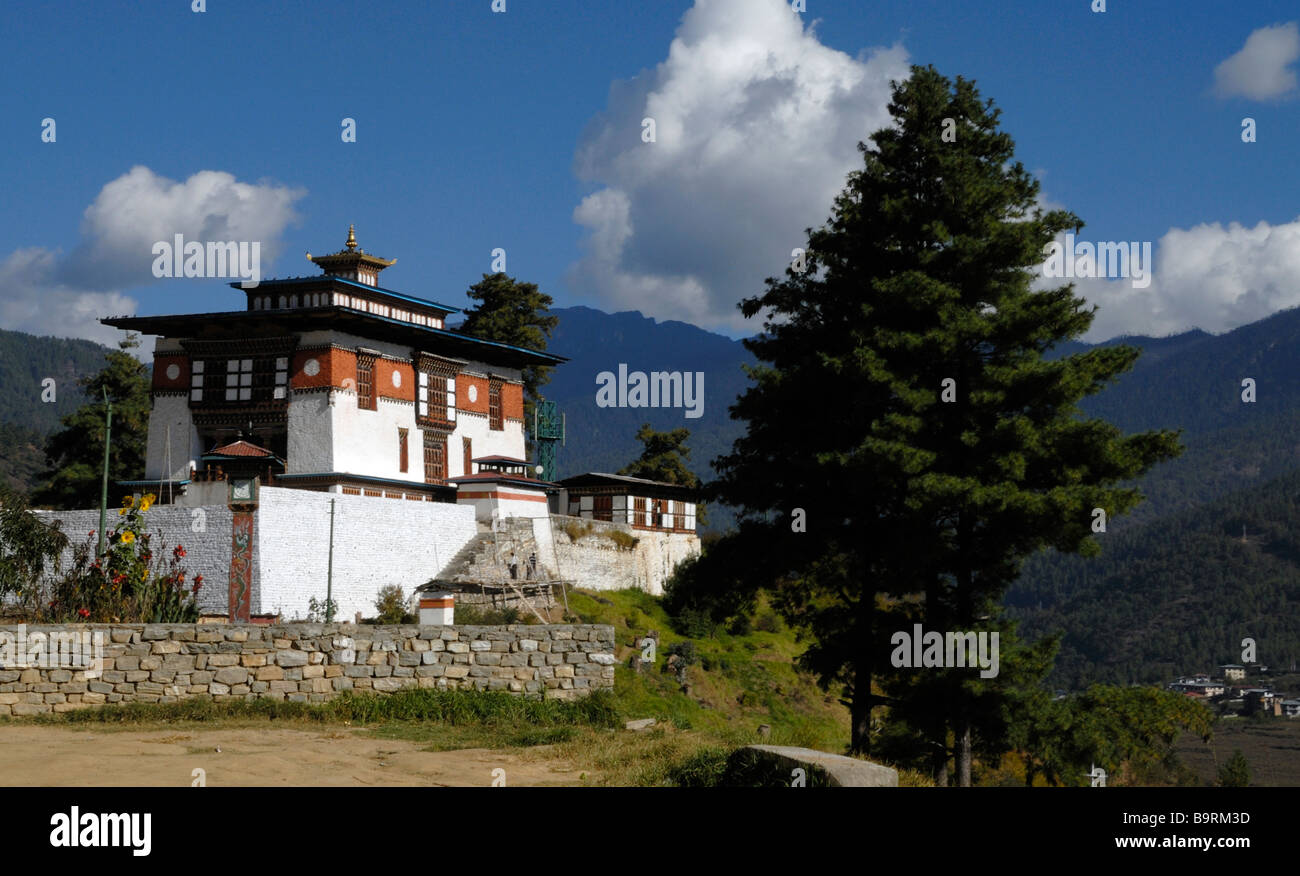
575 530
474 615
703 768
626 541
451 707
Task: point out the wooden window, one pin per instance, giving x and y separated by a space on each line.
366 381
402 457
435 456
239 380
435 402
196 381
495 422
247 379
352 491
468 447
603 508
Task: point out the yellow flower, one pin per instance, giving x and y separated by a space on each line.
121 513
128 537
145 503
128 502
144 573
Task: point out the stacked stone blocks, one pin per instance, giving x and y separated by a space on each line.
312 663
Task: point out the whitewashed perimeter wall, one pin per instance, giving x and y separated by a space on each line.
595 562
376 542
207 552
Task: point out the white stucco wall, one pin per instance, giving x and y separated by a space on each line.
486 509
170 420
204 533
365 442
311 432
376 542
508 441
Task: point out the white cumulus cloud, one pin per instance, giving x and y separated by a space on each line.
1209 276
48 293
1260 70
756 127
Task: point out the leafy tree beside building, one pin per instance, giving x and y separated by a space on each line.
75 454
664 458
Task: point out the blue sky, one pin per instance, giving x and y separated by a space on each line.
522 130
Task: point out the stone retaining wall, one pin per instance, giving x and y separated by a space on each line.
304 662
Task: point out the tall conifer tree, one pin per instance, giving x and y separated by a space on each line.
904 409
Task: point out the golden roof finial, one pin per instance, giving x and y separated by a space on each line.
352 238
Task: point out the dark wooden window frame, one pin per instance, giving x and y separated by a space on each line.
496 420
438 399
435 458
366 381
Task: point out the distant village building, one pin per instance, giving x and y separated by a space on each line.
1233 671
1261 700
1198 688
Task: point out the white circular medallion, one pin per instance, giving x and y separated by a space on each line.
397 378
173 371
311 368
473 393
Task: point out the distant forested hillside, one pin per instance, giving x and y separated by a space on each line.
26 360
25 420
1176 595
604 439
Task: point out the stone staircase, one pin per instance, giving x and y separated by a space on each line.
486 557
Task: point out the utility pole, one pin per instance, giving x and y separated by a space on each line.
329 575
103 487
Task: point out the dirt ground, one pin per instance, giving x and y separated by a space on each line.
328 756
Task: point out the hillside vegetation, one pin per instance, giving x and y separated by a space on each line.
1176 595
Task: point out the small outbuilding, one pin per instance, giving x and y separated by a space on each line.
644 504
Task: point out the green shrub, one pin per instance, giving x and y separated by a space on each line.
391 606
740 625
767 622
694 622
685 650
321 611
